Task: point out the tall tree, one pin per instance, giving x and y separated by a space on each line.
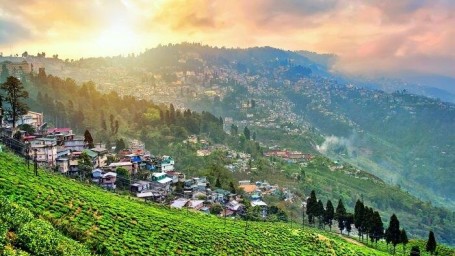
394 231
247 133
378 230
319 212
311 205
15 92
234 130
329 214
358 217
88 139
404 239
340 214
348 221
431 243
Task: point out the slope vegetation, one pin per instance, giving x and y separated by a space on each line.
110 224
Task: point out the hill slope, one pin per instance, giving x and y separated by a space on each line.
112 224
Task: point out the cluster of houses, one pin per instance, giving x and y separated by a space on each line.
289 155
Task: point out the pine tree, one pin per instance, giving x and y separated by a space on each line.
378 230
404 239
247 133
431 243
15 92
340 214
217 183
88 139
232 187
329 214
319 212
311 207
349 220
358 217
394 231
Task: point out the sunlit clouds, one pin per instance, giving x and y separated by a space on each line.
368 36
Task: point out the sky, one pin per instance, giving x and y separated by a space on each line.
368 36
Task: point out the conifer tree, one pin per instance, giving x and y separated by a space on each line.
340 214
329 214
88 139
394 231
319 212
415 251
378 231
431 243
311 207
358 217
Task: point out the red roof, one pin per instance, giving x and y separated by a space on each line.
58 130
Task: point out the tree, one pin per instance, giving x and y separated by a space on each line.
358 217
378 227
216 208
431 243
232 187
319 213
218 183
15 92
311 205
247 133
329 214
85 165
348 221
394 231
340 214
234 130
123 177
119 145
88 139
404 239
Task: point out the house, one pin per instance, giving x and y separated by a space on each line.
196 204
250 188
179 203
74 163
175 176
108 180
45 151
126 165
160 181
60 134
101 156
76 144
34 119
167 164
234 206
97 174
140 186
93 155
63 164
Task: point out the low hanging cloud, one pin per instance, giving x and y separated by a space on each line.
338 145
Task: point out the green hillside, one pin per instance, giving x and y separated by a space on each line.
112 224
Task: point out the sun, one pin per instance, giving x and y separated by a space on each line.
120 37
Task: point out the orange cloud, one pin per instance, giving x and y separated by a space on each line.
368 36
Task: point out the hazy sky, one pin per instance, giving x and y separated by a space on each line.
367 35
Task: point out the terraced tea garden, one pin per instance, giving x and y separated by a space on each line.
111 224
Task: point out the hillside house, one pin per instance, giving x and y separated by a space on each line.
160 181
45 150
108 180
140 186
76 144
127 165
167 164
101 156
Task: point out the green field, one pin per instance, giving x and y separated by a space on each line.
110 224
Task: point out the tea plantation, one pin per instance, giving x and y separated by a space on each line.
51 214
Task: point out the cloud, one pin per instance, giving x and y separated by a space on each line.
10 32
369 36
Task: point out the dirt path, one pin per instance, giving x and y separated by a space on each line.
351 240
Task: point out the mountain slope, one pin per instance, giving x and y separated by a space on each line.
112 224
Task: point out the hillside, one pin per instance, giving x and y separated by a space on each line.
113 224
402 138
